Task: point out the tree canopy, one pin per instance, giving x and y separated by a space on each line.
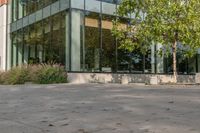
168 22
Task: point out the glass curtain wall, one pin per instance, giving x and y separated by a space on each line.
92 42
57 47
41 42
135 61
184 65
108 62
21 8
198 62
81 39
14 49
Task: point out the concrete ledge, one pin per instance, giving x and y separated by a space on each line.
127 78
197 78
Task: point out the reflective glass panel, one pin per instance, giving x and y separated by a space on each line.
92 42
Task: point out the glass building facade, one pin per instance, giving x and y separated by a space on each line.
77 34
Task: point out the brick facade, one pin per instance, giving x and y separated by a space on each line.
3 2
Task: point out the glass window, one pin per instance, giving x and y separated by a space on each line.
44 41
14 49
147 62
192 65
47 40
26 44
79 4
32 6
39 4
20 47
129 61
63 34
92 5
92 42
184 65
181 64
108 61
198 62
21 8
32 44
14 10
168 64
108 8
57 46
39 42
110 1
25 5
54 39
17 48
46 2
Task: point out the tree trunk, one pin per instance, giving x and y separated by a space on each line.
174 61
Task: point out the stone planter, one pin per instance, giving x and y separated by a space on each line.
154 80
197 78
124 80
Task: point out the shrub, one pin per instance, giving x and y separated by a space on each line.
17 75
1 77
33 71
42 74
51 74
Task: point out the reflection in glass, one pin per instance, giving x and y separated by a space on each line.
57 48
25 46
92 44
41 42
182 64
21 8
192 65
130 61
108 62
20 47
14 49
147 62
89 46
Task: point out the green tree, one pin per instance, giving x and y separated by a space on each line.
166 22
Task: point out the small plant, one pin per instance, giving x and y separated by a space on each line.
51 74
1 77
42 74
17 75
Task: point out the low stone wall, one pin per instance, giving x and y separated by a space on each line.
126 78
197 78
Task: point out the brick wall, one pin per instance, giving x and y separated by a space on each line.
3 2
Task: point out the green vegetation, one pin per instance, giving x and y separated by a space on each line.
170 23
49 74
41 74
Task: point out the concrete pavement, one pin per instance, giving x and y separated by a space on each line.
99 108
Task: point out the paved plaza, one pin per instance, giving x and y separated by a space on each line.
99 108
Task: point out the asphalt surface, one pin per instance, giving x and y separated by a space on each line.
99 108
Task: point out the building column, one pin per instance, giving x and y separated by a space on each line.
159 61
67 45
76 34
3 36
9 45
153 58
9 50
